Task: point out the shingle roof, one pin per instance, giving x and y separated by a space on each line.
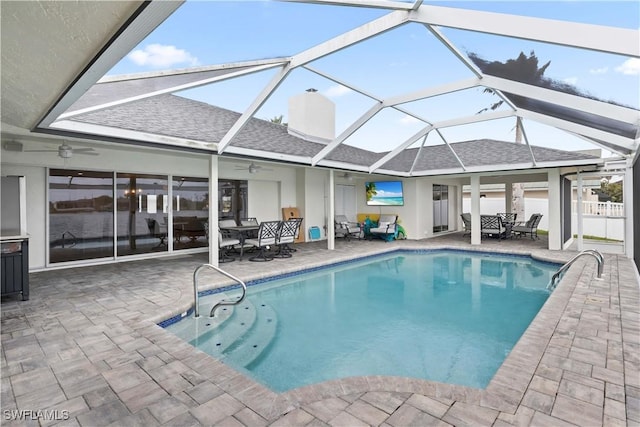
175 116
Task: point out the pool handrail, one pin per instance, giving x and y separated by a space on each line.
593 252
196 303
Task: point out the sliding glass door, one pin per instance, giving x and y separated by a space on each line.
190 212
96 215
80 215
440 208
141 213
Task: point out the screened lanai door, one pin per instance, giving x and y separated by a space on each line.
440 208
345 201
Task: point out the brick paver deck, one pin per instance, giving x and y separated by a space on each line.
85 349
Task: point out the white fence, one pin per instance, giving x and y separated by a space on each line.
600 219
600 208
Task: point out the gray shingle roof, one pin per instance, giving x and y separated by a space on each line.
175 116
111 91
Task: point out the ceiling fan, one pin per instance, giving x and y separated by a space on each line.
66 151
253 168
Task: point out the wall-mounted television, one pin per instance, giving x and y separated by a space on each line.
384 193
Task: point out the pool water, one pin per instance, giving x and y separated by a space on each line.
446 316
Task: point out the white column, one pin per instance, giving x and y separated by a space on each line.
627 197
475 210
459 206
213 210
555 213
579 214
331 233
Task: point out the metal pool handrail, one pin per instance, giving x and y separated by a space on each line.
596 254
196 305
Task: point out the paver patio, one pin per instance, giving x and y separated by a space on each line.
86 350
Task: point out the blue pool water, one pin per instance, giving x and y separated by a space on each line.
446 316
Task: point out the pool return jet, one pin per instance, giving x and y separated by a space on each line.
196 273
556 276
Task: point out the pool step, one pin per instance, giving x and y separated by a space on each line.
251 345
223 335
190 329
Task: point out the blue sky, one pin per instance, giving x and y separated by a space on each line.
408 58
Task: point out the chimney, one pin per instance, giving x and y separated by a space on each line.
312 116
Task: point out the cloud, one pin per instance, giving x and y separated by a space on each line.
630 67
602 70
337 91
570 80
409 120
162 56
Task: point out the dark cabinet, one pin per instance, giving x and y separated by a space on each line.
15 267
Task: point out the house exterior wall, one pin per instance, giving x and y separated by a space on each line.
269 190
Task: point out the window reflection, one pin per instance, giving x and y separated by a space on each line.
80 215
141 213
190 212
232 200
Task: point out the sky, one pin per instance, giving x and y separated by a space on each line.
408 58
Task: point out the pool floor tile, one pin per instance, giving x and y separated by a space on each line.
87 342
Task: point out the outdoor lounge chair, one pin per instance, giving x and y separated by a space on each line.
286 235
224 243
530 227
267 234
466 220
386 228
491 225
347 229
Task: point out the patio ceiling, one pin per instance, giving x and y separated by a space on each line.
76 111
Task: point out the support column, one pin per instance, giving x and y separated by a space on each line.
213 210
579 213
331 232
555 213
627 198
475 210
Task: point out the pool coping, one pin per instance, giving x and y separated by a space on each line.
504 392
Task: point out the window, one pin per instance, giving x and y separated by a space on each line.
232 200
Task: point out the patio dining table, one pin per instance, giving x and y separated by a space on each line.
242 231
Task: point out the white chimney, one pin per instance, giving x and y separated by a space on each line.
312 116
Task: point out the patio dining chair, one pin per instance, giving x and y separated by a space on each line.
285 236
466 221
224 243
250 222
491 225
508 217
267 234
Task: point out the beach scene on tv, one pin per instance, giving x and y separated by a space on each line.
385 193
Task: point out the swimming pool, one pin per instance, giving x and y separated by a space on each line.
447 316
